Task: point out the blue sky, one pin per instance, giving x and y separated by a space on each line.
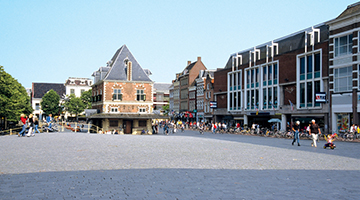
49 41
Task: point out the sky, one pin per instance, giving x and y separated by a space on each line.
52 40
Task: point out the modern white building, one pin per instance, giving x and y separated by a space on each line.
344 67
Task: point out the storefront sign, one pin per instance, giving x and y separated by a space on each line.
213 104
320 97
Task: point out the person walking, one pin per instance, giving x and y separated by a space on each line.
31 125
296 130
36 123
48 120
314 131
23 121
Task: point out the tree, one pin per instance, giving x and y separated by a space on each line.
14 99
74 105
166 109
86 98
50 102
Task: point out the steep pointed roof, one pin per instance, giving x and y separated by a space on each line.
117 70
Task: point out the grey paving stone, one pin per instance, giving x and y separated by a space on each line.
179 166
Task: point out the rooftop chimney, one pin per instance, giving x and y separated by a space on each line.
188 63
199 59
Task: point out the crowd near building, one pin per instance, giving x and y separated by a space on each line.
313 73
310 74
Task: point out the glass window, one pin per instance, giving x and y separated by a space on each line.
234 79
252 76
117 95
270 97
309 63
140 96
264 75
343 45
275 97
264 98
343 79
302 94
275 72
113 123
114 110
230 80
309 94
248 78
257 98
270 72
37 106
72 91
239 100
302 65
248 99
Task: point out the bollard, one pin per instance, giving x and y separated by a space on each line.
75 126
97 129
10 131
88 128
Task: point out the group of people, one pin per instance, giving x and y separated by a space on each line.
314 131
31 122
355 129
217 127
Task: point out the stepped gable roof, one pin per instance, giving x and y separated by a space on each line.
117 70
40 89
351 9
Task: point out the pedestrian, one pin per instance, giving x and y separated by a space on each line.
31 125
23 122
314 131
352 129
48 120
36 123
296 130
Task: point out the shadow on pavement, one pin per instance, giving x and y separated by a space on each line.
182 184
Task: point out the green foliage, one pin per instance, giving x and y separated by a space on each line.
166 109
14 99
74 105
86 98
50 103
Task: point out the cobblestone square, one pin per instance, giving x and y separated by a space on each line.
178 166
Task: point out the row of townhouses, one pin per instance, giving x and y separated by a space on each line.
310 74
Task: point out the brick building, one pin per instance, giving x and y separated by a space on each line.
123 95
344 56
184 81
278 79
204 91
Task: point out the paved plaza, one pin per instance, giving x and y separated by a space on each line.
178 166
